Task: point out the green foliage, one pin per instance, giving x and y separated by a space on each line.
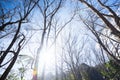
112 71
22 70
12 76
85 76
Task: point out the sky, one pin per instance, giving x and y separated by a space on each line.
47 55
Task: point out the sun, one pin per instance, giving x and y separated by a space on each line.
47 59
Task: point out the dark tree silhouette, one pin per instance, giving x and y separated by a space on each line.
12 17
104 17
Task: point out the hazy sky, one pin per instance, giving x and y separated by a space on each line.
47 55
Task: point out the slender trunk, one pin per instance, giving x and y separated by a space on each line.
38 54
11 44
3 77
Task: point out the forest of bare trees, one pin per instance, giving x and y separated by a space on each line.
84 35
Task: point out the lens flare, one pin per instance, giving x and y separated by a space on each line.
34 74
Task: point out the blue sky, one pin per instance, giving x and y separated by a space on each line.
47 55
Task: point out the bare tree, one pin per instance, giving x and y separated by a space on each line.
104 22
12 20
48 10
72 55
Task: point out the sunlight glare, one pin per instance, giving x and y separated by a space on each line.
47 59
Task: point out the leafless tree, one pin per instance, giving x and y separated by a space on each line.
48 10
72 56
104 22
11 20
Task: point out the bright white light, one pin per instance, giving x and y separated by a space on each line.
47 60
